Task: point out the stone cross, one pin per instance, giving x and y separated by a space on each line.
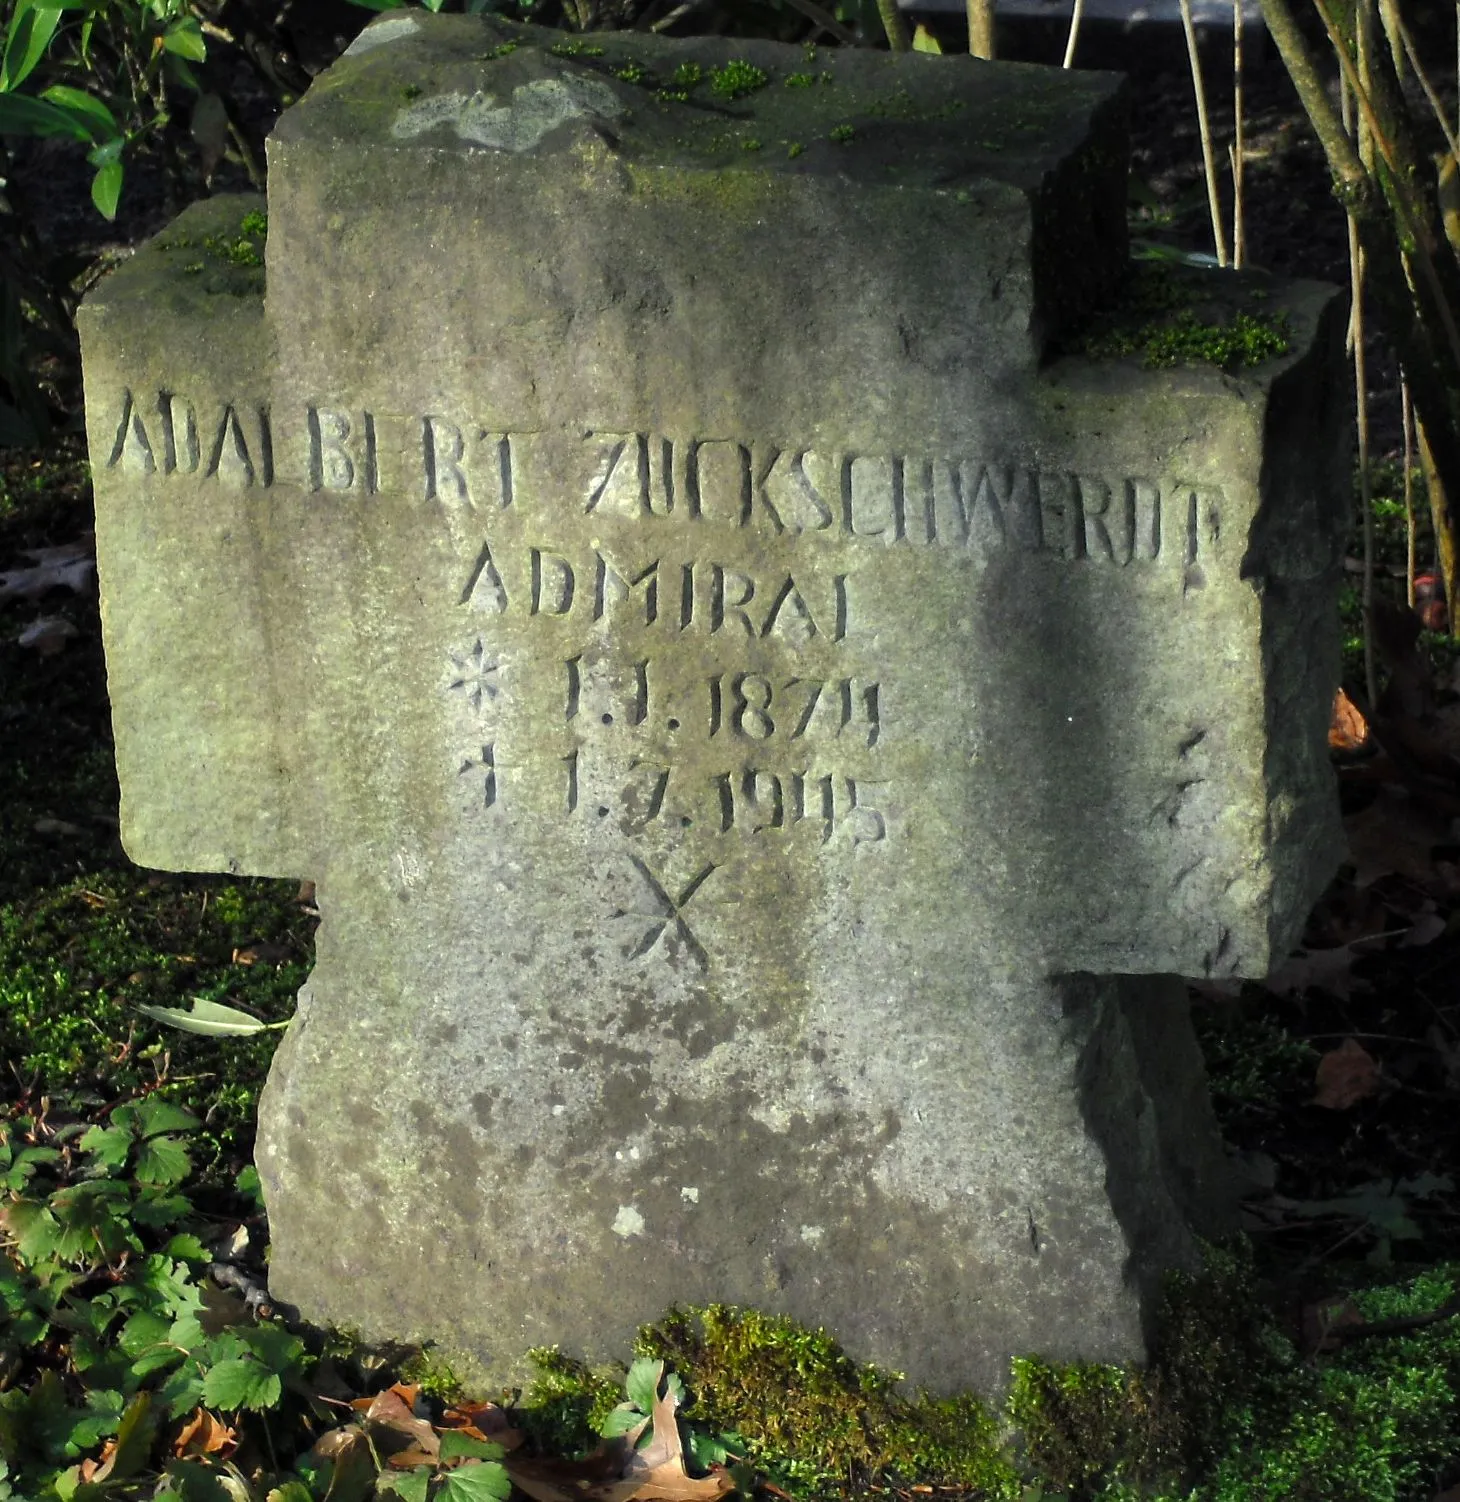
765 727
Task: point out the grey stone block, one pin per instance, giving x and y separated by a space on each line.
765 728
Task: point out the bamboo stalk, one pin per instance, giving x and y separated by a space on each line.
981 37
1407 41
1237 150
1361 424
1076 16
899 38
1214 203
1406 407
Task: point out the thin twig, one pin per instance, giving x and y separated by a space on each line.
1219 234
1236 151
1406 406
677 14
1427 86
828 22
1075 18
1361 415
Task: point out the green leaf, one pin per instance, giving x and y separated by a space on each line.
159 1210
142 1331
379 4
273 1345
291 1491
36 1231
241 1384
162 1161
247 1183
108 1146
210 1018
134 1439
185 38
30 33
195 1481
924 40
20 115
620 1420
476 1481
455 1445
182 1392
410 1486
106 189
86 108
642 1383
157 1116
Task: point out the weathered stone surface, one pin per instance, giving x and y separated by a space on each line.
761 730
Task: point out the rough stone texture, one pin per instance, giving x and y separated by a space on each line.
763 731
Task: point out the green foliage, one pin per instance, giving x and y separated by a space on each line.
566 1405
737 78
77 963
810 1416
1168 315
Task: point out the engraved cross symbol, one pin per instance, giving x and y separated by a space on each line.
668 914
475 675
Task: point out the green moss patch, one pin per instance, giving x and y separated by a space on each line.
1170 316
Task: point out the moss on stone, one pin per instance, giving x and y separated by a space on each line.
1227 1410
1168 318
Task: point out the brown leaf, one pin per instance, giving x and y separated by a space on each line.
68 567
261 952
205 1434
1347 728
485 1421
394 1427
1322 1318
48 634
1329 970
595 1478
1397 834
1346 1075
659 1466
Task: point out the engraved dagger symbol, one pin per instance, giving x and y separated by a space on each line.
669 913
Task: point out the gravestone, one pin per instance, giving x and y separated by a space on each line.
765 729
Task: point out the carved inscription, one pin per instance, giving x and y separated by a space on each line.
800 745
981 505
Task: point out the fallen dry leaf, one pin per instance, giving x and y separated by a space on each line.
1348 730
48 634
261 952
205 1434
69 567
1329 970
1396 835
485 1421
1346 1075
659 1466
396 1430
619 1472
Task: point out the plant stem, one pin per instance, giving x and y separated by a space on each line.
898 36
1406 407
1075 17
1236 151
1219 234
981 38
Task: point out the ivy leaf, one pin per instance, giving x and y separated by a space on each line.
642 1383
241 1383
108 1146
34 1229
162 1161
273 1345
157 1116
455 1445
410 1486
476 1481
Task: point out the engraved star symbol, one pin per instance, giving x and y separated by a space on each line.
476 675
668 914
